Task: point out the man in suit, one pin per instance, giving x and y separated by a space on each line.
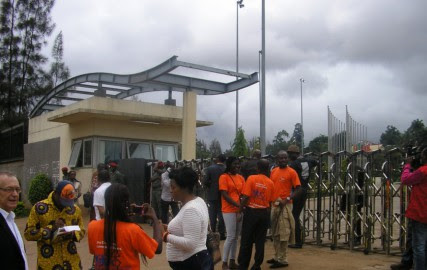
12 251
213 196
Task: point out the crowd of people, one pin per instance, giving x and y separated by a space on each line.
242 201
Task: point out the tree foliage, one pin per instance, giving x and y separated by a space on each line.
391 136
59 72
240 145
215 148
279 143
40 187
318 145
254 143
24 28
415 135
202 150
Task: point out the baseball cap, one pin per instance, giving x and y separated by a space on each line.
293 148
160 164
113 164
66 192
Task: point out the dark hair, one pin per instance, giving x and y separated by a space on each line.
116 209
185 178
263 166
103 176
101 166
221 158
228 163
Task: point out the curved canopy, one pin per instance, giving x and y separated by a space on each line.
157 78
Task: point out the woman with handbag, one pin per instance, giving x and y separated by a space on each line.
231 185
186 233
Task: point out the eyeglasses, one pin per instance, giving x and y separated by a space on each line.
11 189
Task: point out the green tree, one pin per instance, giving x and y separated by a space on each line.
240 145
391 136
297 135
254 143
215 148
59 72
40 187
319 144
416 134
24 28
202 150
279 143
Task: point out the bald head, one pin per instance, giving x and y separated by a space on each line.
282 159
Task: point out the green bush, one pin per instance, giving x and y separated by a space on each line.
40 187
21 211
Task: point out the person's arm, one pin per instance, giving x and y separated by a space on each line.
411 178
227 197
243 202
157 226
207 181
191 223
33 232
100 210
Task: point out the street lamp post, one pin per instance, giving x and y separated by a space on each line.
302 120
238 6
262 97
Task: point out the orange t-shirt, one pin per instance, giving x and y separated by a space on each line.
233 184
284 180
259 188
131 240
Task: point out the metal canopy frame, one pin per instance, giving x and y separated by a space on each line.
157 78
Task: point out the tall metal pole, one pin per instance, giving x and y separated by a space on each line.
262 109
302 121
239 4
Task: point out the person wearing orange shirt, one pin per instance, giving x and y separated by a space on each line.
286 187
115 241
231 185
257 195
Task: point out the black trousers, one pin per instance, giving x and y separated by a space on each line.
297 206
164 205
254 230
215 213
199 261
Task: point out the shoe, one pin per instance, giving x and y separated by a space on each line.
255 267
278 265
400 266
225 266
295 246
271 261
232 264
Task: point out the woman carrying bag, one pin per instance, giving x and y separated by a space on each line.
231 185
186 233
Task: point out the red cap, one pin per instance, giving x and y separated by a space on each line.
113 164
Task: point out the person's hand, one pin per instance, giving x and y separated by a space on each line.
148 211
239 216
59 223
165 227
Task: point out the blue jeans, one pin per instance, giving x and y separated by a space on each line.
199 261
419 244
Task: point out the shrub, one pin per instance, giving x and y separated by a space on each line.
21 211
40 187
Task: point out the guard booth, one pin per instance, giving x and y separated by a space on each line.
91 119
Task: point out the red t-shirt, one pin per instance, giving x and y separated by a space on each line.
284 180
233 184
259 188
131 240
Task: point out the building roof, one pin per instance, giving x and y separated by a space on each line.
158 78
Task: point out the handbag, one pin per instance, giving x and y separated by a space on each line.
88 199
212 243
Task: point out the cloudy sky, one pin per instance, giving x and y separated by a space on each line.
368 55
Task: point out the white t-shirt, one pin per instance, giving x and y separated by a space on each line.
166 187
187 231
98 198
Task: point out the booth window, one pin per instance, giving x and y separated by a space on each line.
87 152
75 153
138 150
110 151
165 152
